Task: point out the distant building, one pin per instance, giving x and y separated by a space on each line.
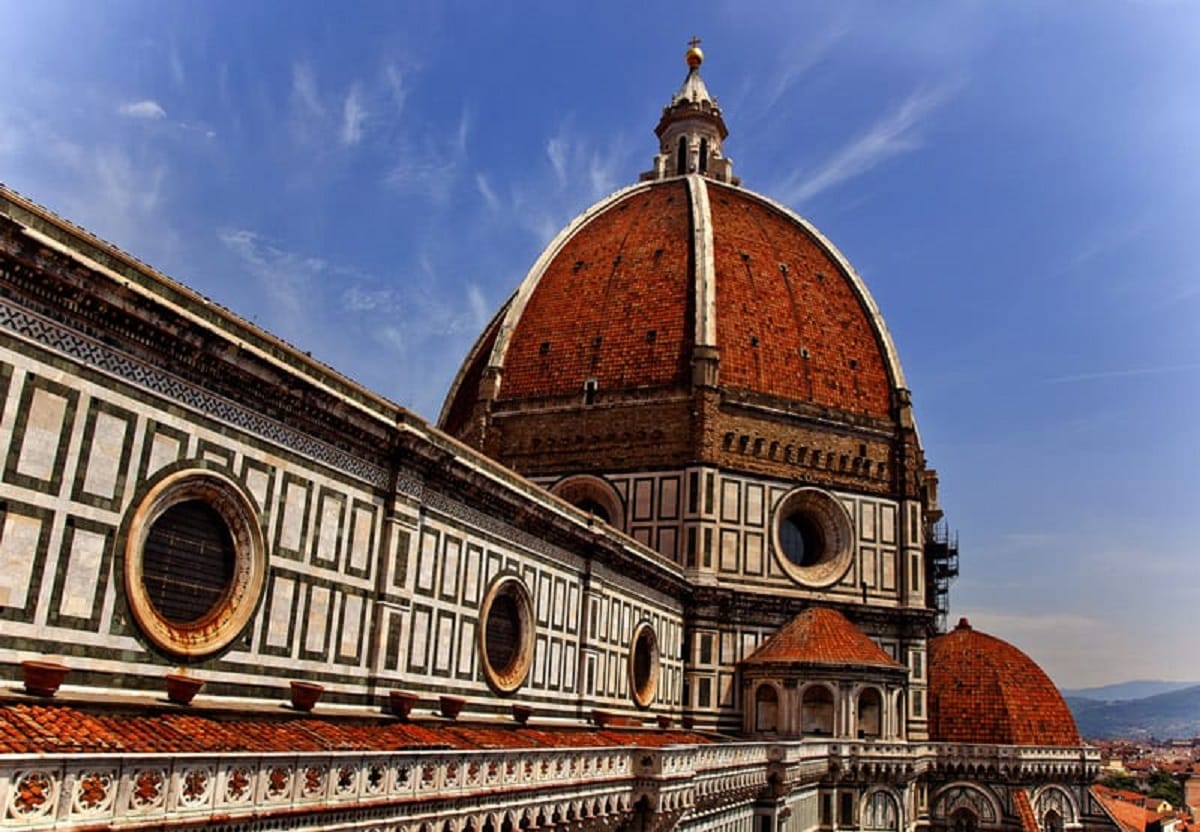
670 560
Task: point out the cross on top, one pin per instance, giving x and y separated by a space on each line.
694 42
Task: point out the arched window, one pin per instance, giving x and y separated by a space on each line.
964 820
766 708
816 711
1052 822
681 156
870 714
704 155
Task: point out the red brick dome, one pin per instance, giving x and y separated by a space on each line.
625 298
984 690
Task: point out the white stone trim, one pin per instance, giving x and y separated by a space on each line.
705 265
856 282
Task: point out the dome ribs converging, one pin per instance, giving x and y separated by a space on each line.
806 335
611 306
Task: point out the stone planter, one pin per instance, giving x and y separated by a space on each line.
42 678
181 688
664 722
401 703
305 695
451 706
521 713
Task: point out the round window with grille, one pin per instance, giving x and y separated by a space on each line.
506 634
644 665
194 563
814 537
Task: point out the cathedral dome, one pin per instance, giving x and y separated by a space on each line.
628 294
984 690
687 320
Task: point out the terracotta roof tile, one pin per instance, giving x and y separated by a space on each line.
821 636
780 292
52 728
1025 811
623 274
1129 817
984 690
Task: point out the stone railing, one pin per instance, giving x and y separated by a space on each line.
65 791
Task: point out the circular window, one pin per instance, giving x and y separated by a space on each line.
643 665
506 635
194 563
813 536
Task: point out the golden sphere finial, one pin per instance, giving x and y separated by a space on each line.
694 56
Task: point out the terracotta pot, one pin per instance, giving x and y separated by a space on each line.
305 695
664 721
521 713
42 678
602 718
181 688
401 703
451 706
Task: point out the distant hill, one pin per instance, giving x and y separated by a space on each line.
1171 715
1137 689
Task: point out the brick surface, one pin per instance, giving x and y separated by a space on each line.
624 274
984 690
778 293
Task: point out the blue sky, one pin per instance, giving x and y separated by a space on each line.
1019 184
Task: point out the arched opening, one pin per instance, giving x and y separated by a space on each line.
1052 822
881 812
964 820
870 714
766 708
681 156
592 495
704 155
816 711
595 508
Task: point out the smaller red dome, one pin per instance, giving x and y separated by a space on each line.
984 690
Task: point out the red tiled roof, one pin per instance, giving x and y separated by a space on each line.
789 322
622 274
779 292
52 728
1129 817
1025 811
820 635
984 690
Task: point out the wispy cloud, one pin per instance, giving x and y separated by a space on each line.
353 116
397 87
147 109
304 90
894 134
1104 375
485 190
288 278
431 169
